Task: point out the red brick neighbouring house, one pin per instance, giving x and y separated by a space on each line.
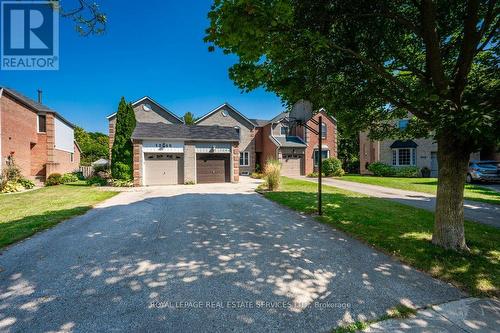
39 139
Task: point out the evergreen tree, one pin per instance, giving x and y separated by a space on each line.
189 118
122 152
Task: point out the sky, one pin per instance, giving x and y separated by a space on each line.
151 48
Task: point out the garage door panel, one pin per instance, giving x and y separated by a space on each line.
163 169
291 165
212 168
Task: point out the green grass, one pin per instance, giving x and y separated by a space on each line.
398 312
23 214
404 232
426 185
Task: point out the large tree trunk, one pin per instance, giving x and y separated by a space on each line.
453 157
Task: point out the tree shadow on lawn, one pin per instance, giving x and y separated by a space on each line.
406 232
13 231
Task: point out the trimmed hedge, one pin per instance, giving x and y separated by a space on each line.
383 170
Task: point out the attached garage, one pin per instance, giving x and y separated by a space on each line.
163 169
292 165
212 168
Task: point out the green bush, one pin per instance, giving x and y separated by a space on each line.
332 167
315 175
26 183
12 186
272 174
69 178
96 181
54 179
426 172
121 183
407 172
383 170
121 171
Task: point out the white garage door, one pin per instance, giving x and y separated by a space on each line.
291 165
163 169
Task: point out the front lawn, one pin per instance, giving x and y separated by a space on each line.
426 185
23 214
404 232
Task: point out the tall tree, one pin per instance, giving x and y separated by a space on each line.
122 151
373 61
94 145
189 118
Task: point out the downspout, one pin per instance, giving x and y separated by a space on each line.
1 156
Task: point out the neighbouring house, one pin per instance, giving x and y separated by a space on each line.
39 139
420 152
222 145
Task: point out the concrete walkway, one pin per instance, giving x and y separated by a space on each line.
468 315
474 211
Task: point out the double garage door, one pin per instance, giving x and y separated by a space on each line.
163 169
168 169
212 168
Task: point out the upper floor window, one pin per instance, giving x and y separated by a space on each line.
403 123
324 130
284 130
238 130
42 124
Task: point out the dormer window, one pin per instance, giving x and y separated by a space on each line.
284 130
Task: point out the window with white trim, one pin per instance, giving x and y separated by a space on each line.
323 130
284 130
404 156
325 153
244 158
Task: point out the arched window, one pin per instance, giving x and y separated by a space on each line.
324 130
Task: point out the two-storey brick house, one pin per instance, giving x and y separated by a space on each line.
38 138
222 145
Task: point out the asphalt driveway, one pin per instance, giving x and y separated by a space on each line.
200 258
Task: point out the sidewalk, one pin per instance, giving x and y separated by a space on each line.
474 211
469 315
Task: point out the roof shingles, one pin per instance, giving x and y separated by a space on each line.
185 132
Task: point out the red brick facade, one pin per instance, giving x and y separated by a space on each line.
33 152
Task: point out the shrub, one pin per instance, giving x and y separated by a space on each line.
315 175
189 182
383 170
69 178
26 183
407 172
12 186
272 174
426 172
101 167
256 175
121 183
332 167
54 179
96 181
258 168
121 171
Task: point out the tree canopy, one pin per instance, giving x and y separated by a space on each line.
94 145
368 62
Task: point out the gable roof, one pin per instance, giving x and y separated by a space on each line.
259 122
220 107
32 104
185 132
154 102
